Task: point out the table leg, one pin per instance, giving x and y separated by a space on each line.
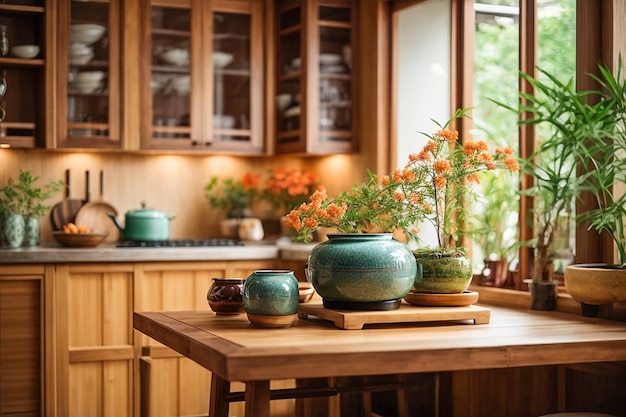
257 399
218 406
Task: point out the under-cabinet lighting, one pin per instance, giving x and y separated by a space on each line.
4 146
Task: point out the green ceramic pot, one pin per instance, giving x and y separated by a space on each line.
271 292
32 231
361 271
14 229
442 273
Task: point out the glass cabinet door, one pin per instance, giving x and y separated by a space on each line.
335 80
170 58
22 73
237 77
314 112
290 68
202 83
89 84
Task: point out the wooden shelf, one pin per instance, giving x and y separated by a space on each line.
16 9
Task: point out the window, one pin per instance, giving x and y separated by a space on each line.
509 35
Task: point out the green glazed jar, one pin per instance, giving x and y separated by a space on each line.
362 271
438 273
271 297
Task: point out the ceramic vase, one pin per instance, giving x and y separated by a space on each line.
442 273
271 297
361 271
14 229
31 237
225 296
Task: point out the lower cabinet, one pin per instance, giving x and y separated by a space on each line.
98 353
22 387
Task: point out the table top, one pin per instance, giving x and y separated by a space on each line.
236 350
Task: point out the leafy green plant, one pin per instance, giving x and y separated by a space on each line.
605 160
565 122
23 197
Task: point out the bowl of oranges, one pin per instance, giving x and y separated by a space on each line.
74 236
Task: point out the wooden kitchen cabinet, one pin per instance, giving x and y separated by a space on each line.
88 76
23 79
98 352
315 77
22 341
202 72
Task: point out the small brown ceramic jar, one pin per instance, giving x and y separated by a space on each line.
225 296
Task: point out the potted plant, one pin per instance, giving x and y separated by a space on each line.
22 205
603 177
564 120
233 196
434 186
285 189
493 225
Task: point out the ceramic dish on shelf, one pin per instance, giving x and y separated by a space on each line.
292 112
86 33
330 59
222 59
25 51
333 69
80 240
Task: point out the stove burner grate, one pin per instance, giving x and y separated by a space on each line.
178 243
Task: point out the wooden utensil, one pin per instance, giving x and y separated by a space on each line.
65 212
93 214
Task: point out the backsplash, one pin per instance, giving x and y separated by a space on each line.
171 183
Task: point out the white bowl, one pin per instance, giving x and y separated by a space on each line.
25 51
80 59
176 56
181 85
283 101
330 59
86 87
87 33
85 76
79 48
224 121
222 59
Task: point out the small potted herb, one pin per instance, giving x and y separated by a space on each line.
21 206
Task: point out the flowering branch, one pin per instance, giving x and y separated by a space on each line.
433 186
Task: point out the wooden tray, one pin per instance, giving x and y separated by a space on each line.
464 298
355 320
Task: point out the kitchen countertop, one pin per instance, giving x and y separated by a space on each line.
107 252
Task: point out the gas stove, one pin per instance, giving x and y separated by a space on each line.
178 243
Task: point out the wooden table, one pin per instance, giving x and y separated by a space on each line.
234 350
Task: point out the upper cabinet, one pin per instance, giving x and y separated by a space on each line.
23 87
89 67
203 76
315 76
